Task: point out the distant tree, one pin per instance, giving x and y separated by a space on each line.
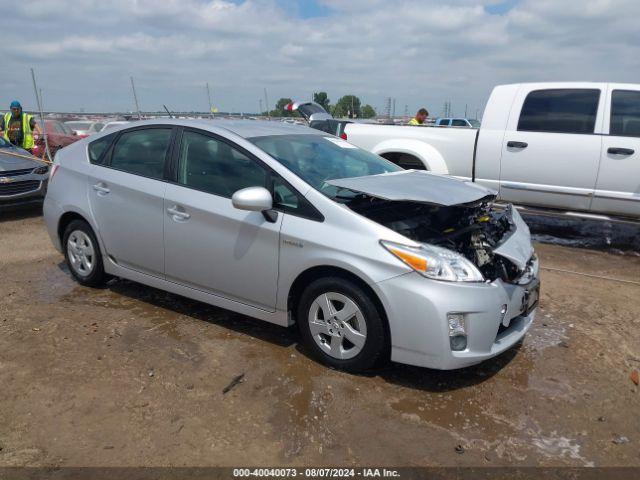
368 111
347 106
280 111
322 99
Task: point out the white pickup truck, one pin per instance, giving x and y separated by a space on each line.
571 146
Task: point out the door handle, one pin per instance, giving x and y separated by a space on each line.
512 144
178 214
620 151
101 188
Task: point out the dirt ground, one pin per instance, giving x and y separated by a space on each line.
130 376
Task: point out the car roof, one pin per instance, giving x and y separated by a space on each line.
242 128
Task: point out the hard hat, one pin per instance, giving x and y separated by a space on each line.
15 104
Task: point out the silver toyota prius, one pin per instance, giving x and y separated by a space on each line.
291 225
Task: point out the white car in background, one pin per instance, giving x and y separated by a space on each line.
84 128
457 122
113 124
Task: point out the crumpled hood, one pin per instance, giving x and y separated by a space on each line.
416 186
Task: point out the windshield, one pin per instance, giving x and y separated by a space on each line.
4 143
316 159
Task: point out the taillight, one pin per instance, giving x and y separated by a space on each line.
343 136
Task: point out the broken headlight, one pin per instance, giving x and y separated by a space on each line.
436 262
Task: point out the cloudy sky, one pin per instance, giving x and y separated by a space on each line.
420 52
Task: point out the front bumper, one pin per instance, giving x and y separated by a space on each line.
417 310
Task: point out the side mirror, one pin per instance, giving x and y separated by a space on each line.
254 199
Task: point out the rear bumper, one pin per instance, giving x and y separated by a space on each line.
52 212
417 310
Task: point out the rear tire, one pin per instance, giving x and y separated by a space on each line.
83 256
341 325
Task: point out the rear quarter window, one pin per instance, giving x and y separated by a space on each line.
97 149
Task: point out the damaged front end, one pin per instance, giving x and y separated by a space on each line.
495 240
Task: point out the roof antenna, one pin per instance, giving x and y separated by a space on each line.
167 110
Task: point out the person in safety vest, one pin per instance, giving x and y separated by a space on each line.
420 117
18 127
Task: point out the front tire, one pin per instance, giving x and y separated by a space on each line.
341 325
82 253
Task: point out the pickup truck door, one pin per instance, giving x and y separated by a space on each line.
618 186
551 147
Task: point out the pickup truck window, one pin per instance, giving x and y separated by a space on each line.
459 123
625 113
560 110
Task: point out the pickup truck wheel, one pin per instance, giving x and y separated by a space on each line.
82 252
341 325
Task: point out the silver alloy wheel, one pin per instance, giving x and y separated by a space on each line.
337 325
81 253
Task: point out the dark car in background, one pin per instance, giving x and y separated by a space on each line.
23 178
59 135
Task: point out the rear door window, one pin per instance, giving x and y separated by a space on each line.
142 152
560 110
625 113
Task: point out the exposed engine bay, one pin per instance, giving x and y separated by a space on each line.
474 229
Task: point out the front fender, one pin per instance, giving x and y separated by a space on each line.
424 152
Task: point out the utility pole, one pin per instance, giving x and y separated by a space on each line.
465 110
260 111
394 107
209 98
266 101
39 103
135 98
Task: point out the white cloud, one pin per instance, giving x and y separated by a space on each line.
420 52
